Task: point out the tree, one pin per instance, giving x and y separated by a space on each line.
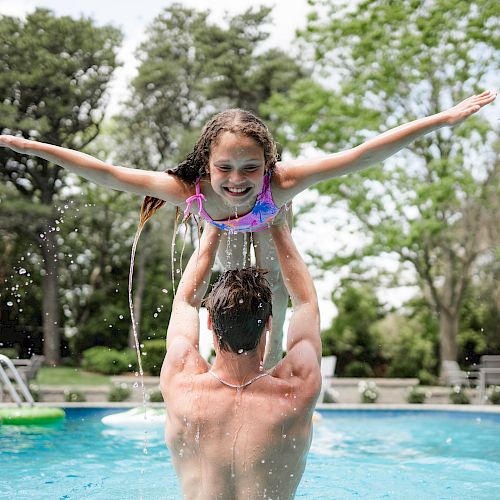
434 207
54 72
190 68
352 337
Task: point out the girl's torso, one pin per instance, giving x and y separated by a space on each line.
207 204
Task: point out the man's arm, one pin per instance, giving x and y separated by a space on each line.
303 331
184 320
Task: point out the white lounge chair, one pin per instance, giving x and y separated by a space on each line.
489 373
453 375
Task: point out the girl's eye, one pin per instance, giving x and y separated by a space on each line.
224 168
251 169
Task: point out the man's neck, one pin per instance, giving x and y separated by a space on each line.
237 368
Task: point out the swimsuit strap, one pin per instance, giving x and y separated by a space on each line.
235 386
199 197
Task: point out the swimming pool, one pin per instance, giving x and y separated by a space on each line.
355 454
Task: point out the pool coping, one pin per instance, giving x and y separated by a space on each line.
334 407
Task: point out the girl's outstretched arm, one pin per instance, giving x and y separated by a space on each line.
166 187
295 176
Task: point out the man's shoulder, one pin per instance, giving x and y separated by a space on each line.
300 366
183 357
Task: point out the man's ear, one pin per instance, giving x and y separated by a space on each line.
209 322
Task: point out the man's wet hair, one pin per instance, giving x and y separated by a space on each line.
239 304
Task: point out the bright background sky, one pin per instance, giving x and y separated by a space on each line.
314 229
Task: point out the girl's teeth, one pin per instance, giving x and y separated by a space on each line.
237 190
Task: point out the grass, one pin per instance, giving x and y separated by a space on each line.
64 375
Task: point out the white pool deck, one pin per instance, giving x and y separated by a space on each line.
335 407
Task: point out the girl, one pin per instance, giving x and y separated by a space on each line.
233 180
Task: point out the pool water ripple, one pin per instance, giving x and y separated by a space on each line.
353 455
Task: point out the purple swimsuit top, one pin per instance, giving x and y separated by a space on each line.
258 219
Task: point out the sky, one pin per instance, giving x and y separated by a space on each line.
133 17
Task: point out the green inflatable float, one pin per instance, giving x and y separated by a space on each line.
30 415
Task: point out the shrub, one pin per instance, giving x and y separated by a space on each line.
105 360
152 354
10 352
425 377
73 396
130 356
494 394
358 369
155 396
119 393
368 391
458 396
415 396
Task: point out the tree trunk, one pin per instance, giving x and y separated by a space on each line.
50 300
448 331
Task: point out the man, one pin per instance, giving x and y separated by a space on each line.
234 430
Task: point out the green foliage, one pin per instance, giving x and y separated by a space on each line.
54 72
189 68
155 396
358 369
480 315
493 394
415 396
458 396
74 396
152 356
351 336
433 208
10 352
105 360
119 393
410 342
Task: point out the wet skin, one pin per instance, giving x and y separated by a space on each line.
235 444
236 175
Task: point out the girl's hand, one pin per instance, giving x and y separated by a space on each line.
18 144
471 105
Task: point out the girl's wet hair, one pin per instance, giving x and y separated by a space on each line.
237 121
239 304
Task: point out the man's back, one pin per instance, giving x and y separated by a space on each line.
248 443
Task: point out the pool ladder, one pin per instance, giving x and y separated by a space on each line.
17 391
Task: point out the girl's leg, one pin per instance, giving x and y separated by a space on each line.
266 258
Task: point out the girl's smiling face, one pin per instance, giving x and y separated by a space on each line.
237 168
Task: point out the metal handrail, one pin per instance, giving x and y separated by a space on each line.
4 360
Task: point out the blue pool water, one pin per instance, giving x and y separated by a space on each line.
355 454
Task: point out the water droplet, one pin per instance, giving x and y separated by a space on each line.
22 270
121 316
164 290
136 385
240 351
240 301
10 304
